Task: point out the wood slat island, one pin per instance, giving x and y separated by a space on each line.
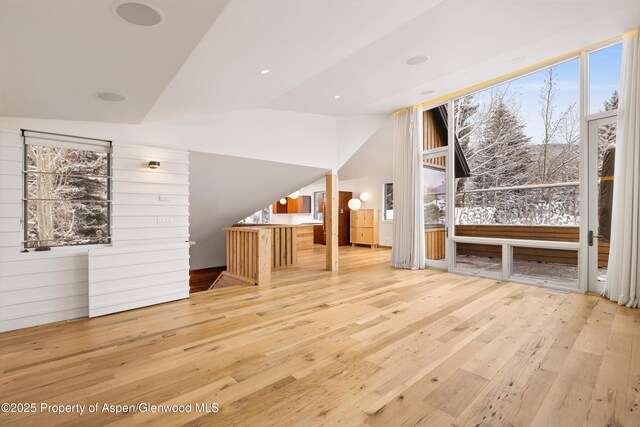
284 243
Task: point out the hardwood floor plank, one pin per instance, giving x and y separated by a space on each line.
368 345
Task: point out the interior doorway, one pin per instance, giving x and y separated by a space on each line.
343 218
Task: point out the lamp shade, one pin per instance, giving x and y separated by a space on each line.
294 195
354 204
364 196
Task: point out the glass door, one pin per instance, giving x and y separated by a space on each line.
435 206
602 151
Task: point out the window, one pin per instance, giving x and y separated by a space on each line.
604 78
318 205
388 201
434 192
261 217
521 141
66 192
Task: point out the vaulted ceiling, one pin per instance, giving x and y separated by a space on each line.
207 55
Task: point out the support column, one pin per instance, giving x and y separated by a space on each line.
331 221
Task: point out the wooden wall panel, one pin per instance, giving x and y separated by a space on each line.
434 240
529 232
305 237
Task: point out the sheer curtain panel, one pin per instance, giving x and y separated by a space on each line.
408 216
623 279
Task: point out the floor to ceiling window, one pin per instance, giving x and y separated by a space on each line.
522 142
604 84
519 212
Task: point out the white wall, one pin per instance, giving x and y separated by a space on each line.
368 170
226 189
280 136
354 131
42 287
372 185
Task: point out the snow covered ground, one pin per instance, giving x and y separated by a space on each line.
521 268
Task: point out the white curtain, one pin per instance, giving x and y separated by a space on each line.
408 215
623 278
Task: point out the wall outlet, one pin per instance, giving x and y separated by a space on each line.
164 198
165 220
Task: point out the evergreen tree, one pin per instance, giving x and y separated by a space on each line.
466 122
501 157
465 115
607 133
501 153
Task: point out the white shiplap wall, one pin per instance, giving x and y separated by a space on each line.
44 287
127 277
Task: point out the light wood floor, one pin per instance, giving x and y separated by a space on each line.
370 345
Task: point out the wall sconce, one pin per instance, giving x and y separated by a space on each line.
154 164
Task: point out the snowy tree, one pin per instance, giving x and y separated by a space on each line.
554 154
498 152
607 133
466 122
67 191
466 119
501 154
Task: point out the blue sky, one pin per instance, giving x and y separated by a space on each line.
604 79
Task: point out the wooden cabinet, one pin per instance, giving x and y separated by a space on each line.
279 208
300 205
318 234
365 224
305 237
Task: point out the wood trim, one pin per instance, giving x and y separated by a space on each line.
331 221
560 233
434 240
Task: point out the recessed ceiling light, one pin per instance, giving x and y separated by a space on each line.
519 59
110 97
417 60
265 71
426 92
337 97
138 14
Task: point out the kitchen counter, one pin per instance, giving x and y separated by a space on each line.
305 236
304 232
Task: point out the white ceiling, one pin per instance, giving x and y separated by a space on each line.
56 55
207 55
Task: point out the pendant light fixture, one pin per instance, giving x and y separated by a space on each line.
364 196
283 201
354 204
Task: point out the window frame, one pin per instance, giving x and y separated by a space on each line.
106 144
587 81
507 244
315 212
